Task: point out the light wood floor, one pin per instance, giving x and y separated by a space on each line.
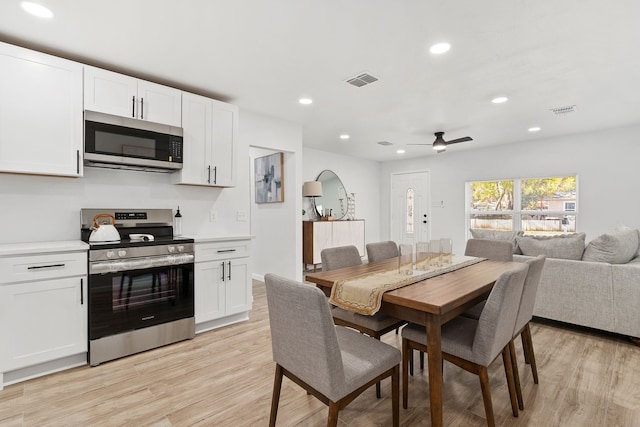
224 378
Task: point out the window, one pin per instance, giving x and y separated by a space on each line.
533 205
409 211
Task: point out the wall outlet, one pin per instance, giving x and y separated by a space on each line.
213 216
241 215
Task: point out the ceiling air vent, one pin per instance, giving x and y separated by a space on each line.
362 80
564 110
385 143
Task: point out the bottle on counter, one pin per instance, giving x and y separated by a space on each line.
177 223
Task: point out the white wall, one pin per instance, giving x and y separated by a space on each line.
606 164
359 176
277 227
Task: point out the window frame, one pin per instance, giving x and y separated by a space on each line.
517 213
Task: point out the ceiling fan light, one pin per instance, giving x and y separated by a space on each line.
439 146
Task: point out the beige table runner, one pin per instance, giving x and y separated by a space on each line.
363 294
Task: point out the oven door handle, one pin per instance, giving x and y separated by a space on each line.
139 263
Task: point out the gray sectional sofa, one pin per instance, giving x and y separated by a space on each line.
598 287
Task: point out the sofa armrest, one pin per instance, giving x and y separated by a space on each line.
626 298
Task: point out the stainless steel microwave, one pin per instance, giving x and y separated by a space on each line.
125 143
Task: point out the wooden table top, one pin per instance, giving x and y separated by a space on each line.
437 295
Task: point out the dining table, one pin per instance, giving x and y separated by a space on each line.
430 302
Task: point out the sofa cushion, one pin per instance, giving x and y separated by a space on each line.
482 233
564 246
618 247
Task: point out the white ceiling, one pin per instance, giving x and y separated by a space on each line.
264 55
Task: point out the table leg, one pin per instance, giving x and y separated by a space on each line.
434 353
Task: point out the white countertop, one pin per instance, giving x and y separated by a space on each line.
209 239
31 248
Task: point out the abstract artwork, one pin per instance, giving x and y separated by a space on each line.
269 179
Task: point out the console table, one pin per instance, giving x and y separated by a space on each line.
318 235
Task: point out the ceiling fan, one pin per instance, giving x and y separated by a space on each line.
440 145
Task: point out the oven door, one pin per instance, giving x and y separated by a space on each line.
151 294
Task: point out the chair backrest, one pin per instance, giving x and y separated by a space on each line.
496 250
339 257
382 250
496 323
528 300
303 335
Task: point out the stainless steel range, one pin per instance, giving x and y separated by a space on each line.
141 286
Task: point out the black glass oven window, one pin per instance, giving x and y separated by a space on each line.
134 290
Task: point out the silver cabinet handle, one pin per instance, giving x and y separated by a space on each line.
133 107
78 162
38 267
229 277
223 271
209 174
81 291
215 175
223 251
142 108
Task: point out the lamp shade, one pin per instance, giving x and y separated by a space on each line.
312 189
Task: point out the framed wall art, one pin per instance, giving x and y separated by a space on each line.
269 179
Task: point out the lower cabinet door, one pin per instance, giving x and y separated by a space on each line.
238 295
209 291
42 321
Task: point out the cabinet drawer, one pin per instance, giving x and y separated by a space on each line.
222 250
42 267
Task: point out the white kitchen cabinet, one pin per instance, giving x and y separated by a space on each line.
40 113
43 309
222 283
319 235
210 150
122 95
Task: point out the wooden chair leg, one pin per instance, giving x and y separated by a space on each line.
516 374
334 408
532 356
395 396
508 370
275 398
407 355
524 348
486 395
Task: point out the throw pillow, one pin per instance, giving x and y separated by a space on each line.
618 247
565 246
481 233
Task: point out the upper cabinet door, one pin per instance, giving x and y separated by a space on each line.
109 92
224 149
40 113
160 104
121 95
196 126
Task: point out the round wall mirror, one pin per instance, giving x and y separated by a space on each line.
334 196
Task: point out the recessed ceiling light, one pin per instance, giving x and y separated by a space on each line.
400 151
344 136
439 48
37 9
534 129
499 99
305 101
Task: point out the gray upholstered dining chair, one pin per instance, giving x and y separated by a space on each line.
497 250
522 328
375 326
473 344
333 363
382 250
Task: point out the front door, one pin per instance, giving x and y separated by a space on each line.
409 207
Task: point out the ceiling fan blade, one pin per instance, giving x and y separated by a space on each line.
455 141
